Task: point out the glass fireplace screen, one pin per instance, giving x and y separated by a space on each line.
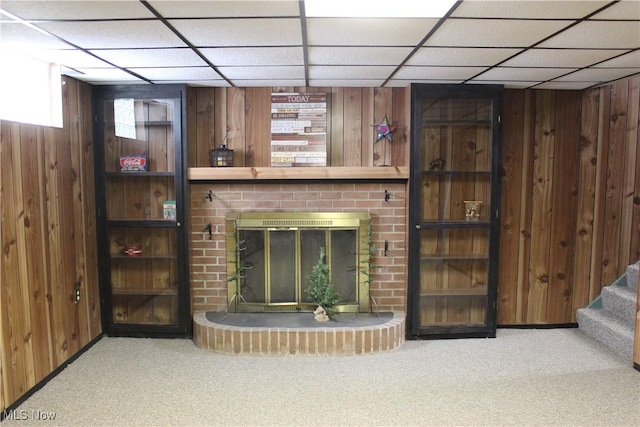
271 255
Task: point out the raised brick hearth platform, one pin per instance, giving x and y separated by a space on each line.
357 337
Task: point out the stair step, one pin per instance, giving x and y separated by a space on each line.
632 277
622 302
608 329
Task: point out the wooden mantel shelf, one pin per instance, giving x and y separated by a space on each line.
302 173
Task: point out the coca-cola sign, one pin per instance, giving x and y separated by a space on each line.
133 163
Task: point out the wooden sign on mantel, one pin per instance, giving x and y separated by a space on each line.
298 129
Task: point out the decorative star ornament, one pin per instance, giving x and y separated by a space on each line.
385 130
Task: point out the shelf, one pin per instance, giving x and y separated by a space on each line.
456 172
301 173
144 257
144 292
464 292
456 122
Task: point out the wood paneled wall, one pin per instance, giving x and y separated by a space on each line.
48 244
241 119
570 199
571 178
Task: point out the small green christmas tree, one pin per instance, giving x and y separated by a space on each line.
321 291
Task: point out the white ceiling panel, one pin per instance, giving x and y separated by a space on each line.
460 56
560 58
597 74
270 82
556 85
246 73
349 72
118 34
225 9
73 58
535 9
360 55
452 73
599 35
367 31
626 9
20 37
53 10
242 56
108 75
628 60
347 82
176 73
240 32
493 32
173 57
523 74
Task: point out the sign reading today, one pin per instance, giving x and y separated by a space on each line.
298 129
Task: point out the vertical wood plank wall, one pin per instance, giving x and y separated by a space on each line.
48 242
571 178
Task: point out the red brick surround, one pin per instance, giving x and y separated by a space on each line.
389 218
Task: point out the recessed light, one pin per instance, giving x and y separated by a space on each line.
378 8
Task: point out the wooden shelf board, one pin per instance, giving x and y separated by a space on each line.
302 173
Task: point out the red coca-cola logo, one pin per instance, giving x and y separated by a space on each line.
130 162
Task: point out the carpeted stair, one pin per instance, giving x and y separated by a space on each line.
610 318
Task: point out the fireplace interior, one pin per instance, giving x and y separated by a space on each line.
270 256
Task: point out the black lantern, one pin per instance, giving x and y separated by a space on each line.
221 156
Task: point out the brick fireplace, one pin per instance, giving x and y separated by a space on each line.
384 200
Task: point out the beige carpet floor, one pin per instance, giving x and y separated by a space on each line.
556 377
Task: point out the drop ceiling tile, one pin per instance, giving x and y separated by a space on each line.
107 75
17 36
173 57
53 10
350 72
361 55
201 83
72 58
438 73
626 9
240 32
599 35
240 56
556 85
523 74
367 31
206 9
576 58
114 34
263 73
598 74
535 9
268 82
493 32
460 56
345 83
631 59
406 82
176 73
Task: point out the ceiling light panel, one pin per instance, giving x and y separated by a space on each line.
225 9
53 10
532 9
493 32
340 55
240 56
240 32
576 58
173 57
377 8
367 31
71 58
17 36
598 34
115 34
460 56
